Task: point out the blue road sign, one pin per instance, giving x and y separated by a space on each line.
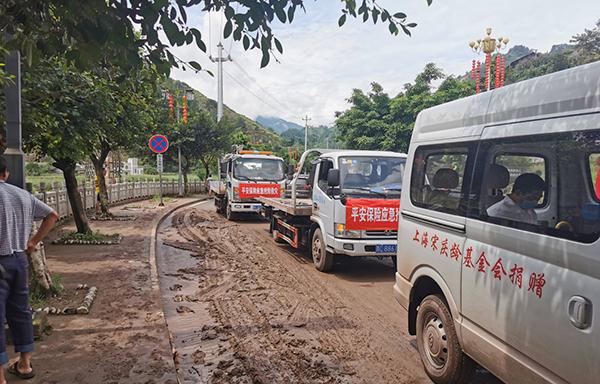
158 143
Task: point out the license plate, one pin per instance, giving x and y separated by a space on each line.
385 248
256 207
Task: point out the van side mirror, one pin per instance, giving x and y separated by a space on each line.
333 178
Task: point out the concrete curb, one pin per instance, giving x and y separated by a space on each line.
155 285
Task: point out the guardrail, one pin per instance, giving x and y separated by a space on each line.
121 192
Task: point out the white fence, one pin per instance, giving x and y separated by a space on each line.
120 192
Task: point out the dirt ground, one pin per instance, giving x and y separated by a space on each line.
124 338
242 309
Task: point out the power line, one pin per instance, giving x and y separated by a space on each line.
285 114
252 79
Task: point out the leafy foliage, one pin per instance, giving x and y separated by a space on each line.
130 29
377 122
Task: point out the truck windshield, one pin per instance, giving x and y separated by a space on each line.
258 169
379 176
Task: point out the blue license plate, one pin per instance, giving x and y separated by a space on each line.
385 248
256 207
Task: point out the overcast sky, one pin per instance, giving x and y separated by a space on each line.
322 63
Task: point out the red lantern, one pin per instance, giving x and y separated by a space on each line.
170 105
503 67
497 73
473 70
478 77
185 110
488 63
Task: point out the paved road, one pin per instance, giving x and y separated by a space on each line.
243 309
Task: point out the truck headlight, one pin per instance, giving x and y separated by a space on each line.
340 231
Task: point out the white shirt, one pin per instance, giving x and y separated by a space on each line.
508 209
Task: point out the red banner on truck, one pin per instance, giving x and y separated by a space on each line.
248 191
372 214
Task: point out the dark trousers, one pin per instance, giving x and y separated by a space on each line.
14 304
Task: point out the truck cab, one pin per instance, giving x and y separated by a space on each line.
352 210
245 176
356 202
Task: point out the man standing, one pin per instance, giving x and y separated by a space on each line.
18 210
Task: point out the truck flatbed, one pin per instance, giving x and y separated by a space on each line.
303 207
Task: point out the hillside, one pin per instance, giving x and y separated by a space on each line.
276 124
256 132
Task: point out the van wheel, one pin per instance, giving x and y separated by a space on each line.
441 353
230 215
322 259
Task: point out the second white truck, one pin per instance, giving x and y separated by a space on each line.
245 176
352 210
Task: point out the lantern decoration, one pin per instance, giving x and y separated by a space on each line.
171 107
478 77
488 68
184 109
497 73
473 70
489 45
502 70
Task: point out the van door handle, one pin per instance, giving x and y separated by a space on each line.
580 312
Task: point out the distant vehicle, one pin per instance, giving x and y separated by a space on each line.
243 177
352 208
498 250
303 188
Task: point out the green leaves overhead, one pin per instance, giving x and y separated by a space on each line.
130 29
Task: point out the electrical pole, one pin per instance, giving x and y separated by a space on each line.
306 120
12 90
179 174
220 61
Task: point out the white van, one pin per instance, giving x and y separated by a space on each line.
498 251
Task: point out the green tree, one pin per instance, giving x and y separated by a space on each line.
63 109
134 107
377 122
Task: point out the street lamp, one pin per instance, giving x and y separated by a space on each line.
489 45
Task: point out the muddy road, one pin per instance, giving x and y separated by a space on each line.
242 309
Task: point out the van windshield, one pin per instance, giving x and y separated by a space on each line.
374 176
257 169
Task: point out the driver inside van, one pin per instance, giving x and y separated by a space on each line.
520 203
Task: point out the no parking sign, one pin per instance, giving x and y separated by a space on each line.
158 143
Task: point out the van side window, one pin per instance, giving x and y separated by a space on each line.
438 178
518 164
544 183
594 160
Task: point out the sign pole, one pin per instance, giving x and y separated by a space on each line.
159 144
159 165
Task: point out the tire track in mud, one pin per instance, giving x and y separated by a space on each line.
260 333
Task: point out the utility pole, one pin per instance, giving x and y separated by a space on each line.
220 61
306 120
12 90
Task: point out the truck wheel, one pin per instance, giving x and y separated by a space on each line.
441 353
323 260
230 215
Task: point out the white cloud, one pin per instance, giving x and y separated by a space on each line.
322 63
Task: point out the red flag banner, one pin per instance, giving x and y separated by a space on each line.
373 214
248 191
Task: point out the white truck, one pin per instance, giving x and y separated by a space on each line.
245 176
352 210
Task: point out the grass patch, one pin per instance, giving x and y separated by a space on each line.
94 238
38 297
